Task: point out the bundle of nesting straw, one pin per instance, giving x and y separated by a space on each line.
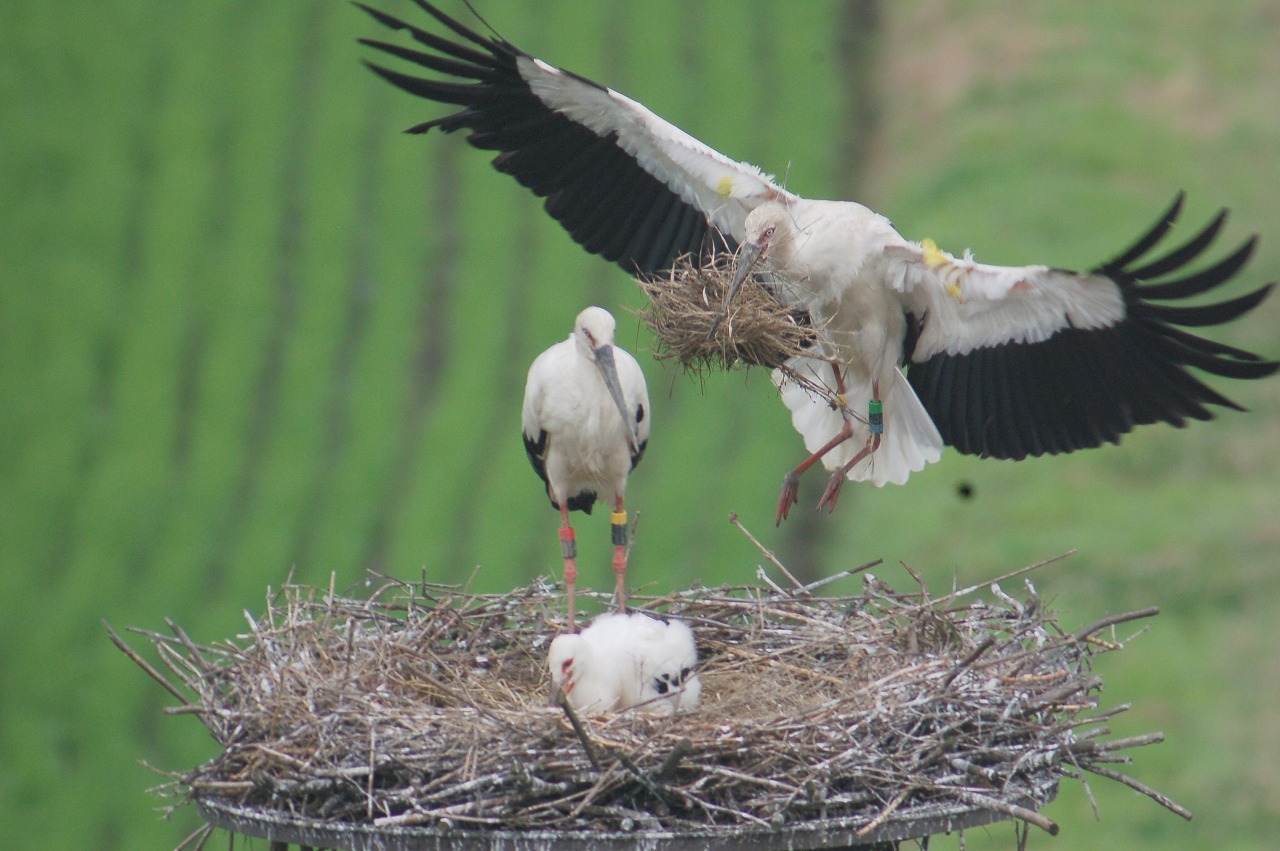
426 707
758 331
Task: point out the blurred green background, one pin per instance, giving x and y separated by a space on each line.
247 327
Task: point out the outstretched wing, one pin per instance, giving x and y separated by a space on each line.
1018 361
625 184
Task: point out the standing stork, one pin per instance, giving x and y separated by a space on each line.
585 422
1003 362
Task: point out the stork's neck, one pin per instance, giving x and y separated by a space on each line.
832 247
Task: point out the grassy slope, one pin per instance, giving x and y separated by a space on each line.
226 351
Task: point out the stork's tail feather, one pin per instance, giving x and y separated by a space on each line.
910 439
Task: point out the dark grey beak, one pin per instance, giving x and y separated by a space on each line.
609 371
742 268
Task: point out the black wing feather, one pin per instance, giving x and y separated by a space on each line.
536 449
1082 388
595 189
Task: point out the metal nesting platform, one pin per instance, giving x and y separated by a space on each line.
916 822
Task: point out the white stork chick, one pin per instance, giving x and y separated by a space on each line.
665 660
1003 362
583 674
626 660
585 423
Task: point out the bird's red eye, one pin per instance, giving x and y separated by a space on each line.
565 666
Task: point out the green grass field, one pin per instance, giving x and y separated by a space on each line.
248 328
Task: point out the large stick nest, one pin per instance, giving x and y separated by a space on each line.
427 705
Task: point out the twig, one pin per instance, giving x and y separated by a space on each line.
1111 620
196 839
144 664
668 767
827 580
587 747
1128 742
1138 786
764 577
986 645
964 592
773 559
924 589
1045 823
1056 695
193 651
884 814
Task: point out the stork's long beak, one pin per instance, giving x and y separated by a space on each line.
742 268
609 370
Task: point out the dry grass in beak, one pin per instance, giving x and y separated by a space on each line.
759 330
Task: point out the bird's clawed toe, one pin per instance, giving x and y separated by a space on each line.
789 495
832 493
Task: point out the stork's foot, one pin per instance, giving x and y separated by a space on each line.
832 493
789 495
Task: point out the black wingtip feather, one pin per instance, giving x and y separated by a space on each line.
1148 240
1184 254
438 64
457 94
1199 316
595 188
1082 388
1204 280
456 26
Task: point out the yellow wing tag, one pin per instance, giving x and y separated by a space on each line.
935 258
933 255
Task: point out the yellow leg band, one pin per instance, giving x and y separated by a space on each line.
618 518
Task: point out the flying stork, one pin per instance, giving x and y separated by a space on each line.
1003 362
585 422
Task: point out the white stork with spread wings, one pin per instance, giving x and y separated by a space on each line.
1004 362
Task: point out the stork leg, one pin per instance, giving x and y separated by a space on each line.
876 422
569 549
790 494
619 526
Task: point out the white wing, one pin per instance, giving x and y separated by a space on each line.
968 305
722 189
1018 361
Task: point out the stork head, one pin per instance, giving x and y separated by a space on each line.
567 657
593 331
769 236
